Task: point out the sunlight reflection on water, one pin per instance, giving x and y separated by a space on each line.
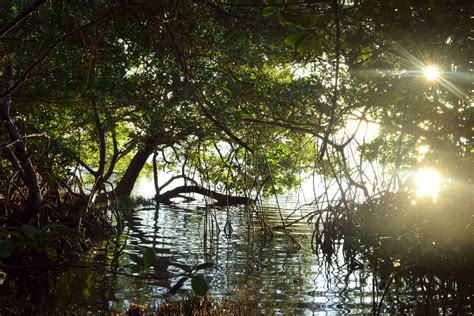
268 274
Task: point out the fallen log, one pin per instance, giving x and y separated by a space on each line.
222 199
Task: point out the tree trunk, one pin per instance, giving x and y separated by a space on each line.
127 182
28 173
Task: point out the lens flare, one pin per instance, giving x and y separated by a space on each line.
431 73
428 183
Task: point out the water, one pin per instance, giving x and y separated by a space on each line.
272 275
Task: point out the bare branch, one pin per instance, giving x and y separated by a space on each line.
336 80
175 178
23 138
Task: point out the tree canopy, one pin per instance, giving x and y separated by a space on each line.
243 100
244 97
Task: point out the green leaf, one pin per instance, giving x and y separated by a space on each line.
321 20
205 265
51 252
89 283
310 44
199 285
269 2
269 11
136 269
294 38
30 231
184 267
126 201
136 259
85 292
313 19
8 234
148 259
6 249
62 230
295 19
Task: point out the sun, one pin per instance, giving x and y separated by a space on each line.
431 73
428 183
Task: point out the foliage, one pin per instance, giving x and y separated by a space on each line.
244 97
29 245
406 239
198 283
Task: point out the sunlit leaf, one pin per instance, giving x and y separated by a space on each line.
86 289
269 11
294 38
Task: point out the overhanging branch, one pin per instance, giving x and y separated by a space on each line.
336 79
199 97
21 16
222 199
295 129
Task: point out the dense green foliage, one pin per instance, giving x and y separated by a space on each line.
244 98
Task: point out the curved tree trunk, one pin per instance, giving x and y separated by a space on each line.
127 182
222 199
28 173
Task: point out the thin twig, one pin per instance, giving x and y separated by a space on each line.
336 80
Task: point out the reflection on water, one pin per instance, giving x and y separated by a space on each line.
269 274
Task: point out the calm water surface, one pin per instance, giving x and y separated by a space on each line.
271 275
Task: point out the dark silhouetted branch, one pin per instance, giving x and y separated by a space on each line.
20 17
222 127
222 199
336 79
